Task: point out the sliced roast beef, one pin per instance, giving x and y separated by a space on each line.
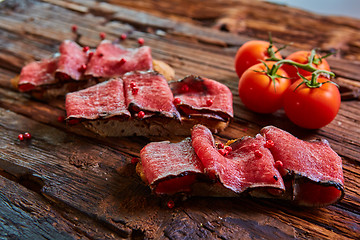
198 96
112 60
170 168
149 92
313 168
37 74
104 100
249 166
72 61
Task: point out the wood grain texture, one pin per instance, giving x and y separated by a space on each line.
68 183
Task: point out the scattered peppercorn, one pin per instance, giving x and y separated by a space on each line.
74 28
209 102
220 145
61 118
258 153
123 36
82 68
170 204
141 114
21 137
102 35
141 41
86 48
27 135
135 90
177 101
134 160
185 88
228 148
269 144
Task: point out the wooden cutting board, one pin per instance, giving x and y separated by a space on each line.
67 183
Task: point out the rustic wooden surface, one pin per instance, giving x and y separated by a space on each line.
68 184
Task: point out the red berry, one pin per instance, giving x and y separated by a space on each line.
27 135
132 84
74 28
269 144
141 114
21 137
185 88
82 68
134 160
220 145
86 48
177 101
258 153
135 90
122 61
279 164
102 35
170 204
209 102
228 148
223 152
61 119
141 41
90 54
123 36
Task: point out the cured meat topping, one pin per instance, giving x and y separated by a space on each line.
315 169
112 60
71 61
248 165
103 100
201 94
149 92
170 167
37 73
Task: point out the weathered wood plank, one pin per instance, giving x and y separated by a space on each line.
90 178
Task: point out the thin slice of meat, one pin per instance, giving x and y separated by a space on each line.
72 61
149 92
103 100
170 167
112 60
313 168
197 94
36 74
249 166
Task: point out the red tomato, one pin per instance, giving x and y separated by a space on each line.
257 91
303 58
312 108
250 53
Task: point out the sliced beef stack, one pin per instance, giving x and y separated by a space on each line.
75 68
273 164
154 110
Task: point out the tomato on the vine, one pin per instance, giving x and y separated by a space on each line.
261 87
314 107
251 53
303 58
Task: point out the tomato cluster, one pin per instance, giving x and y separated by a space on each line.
297 83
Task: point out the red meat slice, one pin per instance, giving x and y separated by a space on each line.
71 61
170 167
149 92
315 169
111 60
103 100
204 95
38 73
249 165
